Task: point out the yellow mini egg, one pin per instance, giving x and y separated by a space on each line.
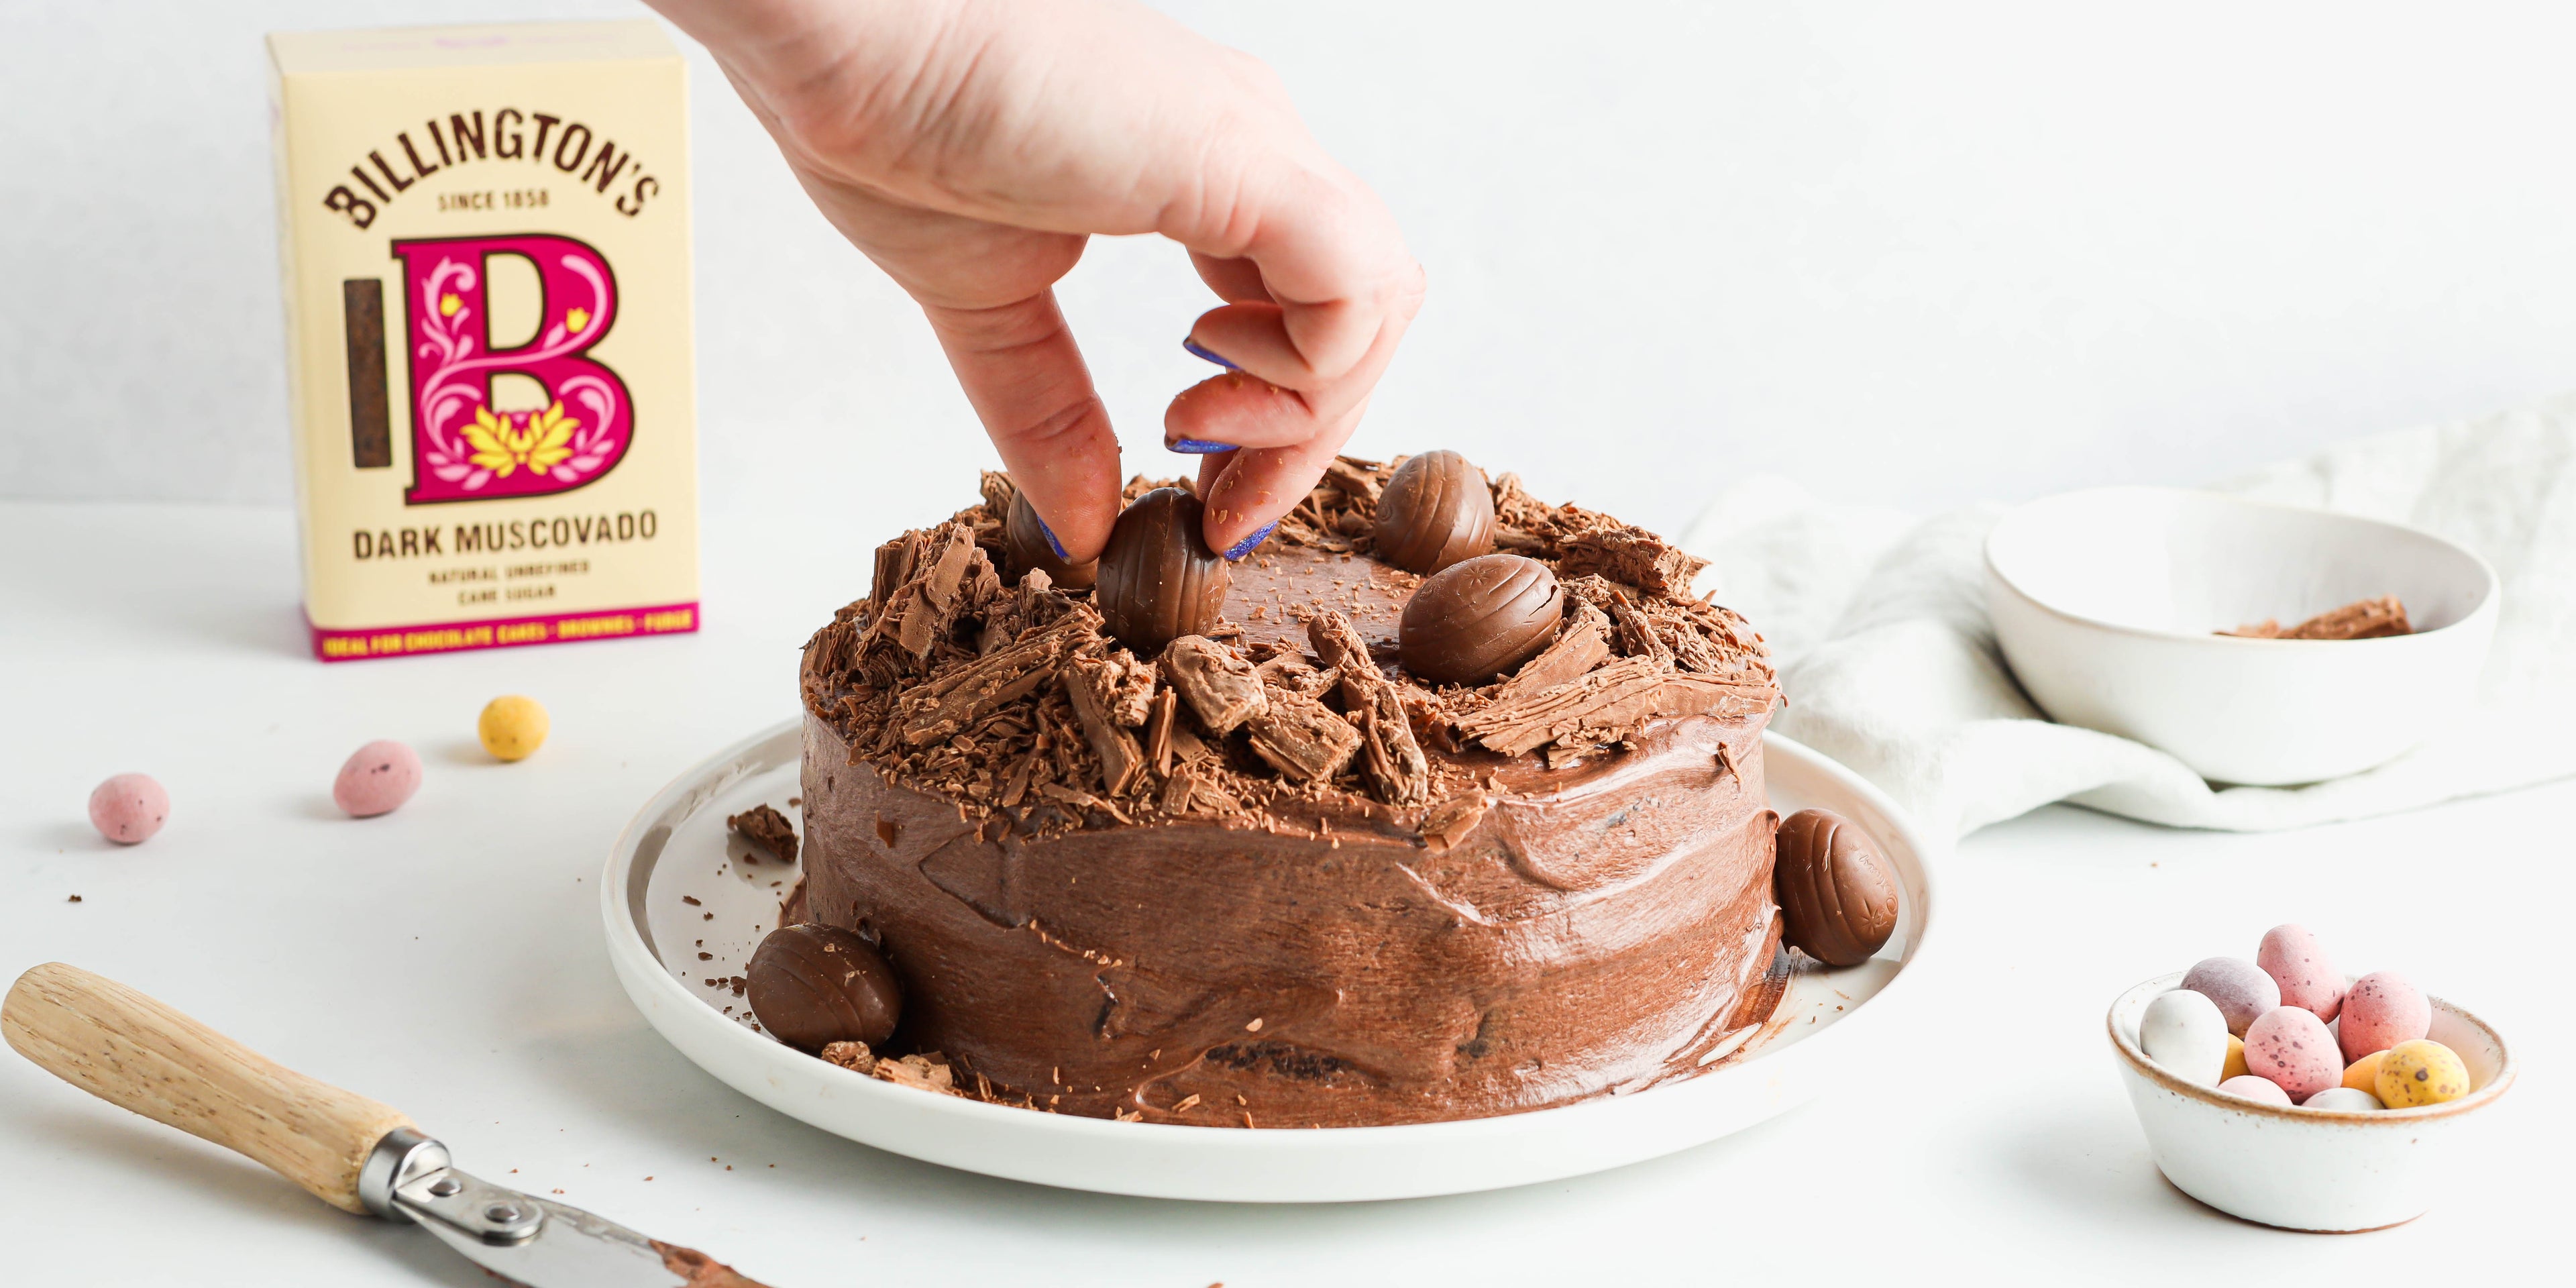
2421 1072
512 727
2235 1058
2364 1073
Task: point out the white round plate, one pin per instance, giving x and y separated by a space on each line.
686 902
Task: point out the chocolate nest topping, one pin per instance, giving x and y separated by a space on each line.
964 676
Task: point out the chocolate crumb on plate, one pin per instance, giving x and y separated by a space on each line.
2362 619
768 829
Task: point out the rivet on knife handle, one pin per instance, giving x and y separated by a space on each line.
136 1053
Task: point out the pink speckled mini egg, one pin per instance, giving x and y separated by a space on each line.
379 776
2293 1048
2254 1087
2240 988
2382 1009
2297 962
129 808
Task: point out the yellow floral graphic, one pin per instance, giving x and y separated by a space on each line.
539 444
577 321
448 304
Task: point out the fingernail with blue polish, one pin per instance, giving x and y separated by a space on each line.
1244 547
1049 534
1201 351
1198 447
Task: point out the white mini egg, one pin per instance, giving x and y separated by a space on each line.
2185 1033
2348 1099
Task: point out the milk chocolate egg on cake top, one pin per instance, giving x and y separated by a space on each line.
1473 621
1026 539
1838 896
1434 513
1158 580
813 985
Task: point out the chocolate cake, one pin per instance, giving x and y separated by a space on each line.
1263 875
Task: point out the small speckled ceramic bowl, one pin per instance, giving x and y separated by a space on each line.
2306 1169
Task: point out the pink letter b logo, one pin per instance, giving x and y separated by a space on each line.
464 450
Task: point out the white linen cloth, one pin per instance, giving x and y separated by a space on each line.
1878 624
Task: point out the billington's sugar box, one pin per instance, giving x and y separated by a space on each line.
485 236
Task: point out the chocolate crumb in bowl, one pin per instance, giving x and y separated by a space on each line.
1435 512
768 829
1836 894
1158 580
2362 619
813 985
1475 620
1025 540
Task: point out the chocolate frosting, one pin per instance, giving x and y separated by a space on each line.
1587 929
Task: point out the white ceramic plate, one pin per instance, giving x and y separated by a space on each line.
685 904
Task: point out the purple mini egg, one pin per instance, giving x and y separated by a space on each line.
2382 1009
378 777
2297 962
2247 1086
128 808
2241 989
2293 1048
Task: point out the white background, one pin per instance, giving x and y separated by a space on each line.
1927 253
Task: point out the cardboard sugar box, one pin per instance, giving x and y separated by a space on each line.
485 239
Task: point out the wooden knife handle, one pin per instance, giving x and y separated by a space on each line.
129 1050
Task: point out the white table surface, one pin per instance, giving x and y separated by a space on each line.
447 959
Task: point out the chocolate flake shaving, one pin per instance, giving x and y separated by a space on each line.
768 829
1301 737
1222 689
1393 761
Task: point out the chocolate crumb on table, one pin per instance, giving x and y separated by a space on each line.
768 829
2362 619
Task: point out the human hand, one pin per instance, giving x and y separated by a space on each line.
970 147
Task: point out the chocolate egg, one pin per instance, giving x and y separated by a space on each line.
1436 511
2381 1010
1026 540
1837 895
812 985
2295 960
2241 989
1158 581
1473 621
2185 1035
2292 1047
2254 1086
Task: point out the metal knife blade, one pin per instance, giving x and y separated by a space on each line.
545 1244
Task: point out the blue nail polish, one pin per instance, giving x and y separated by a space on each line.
1198 350
1199 447
1049 534
1244 547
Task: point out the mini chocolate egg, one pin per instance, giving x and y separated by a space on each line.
2185 1035
2363 1074
2250 1086
1025 539
2380 1010
2421 1072
2292 1047
128 808
1837 898
1436 510
2235 1058
1472 621
2297 962
2240 988
1157 580
813 985
512 727
376 778
2347 1099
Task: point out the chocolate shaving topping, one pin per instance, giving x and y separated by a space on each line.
969 676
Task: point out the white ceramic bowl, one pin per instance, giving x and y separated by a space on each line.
2306 1169
2105 602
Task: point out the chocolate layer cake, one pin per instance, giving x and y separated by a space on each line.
1265 877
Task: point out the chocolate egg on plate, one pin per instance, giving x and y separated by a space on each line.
813 985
